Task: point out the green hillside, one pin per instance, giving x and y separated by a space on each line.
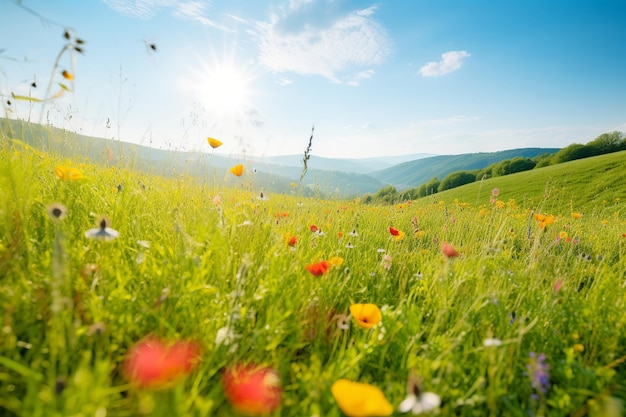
414 173
576 185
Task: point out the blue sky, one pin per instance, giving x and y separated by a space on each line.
376 78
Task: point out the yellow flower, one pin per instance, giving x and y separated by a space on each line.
214 143
68 173
237 170
579 347
67 75
366 315
577 215
360 400
335 261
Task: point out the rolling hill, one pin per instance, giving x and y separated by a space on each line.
414 173
330 177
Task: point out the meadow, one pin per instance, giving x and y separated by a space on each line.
505 297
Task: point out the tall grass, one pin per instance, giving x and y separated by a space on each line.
196 261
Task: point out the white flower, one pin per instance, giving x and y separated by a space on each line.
491 342
421 403
102 232
225 335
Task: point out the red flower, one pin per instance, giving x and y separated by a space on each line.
394 232
318 268
449 251
293 240
156 363
252 390
313 228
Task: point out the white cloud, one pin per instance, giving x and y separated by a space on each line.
312 38
194 10
450 61
362 75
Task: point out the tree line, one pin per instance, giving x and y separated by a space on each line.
603 144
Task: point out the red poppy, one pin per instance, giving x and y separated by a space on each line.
449 251
156 363
293 240
394 232
318 268
314 228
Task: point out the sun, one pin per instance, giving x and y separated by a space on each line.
223 86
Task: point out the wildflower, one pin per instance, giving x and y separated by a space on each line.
155 363
416 400
350 245
578 347
252 389
214 143
318 268
68 174
539 372
577 215
353 233
313 228
225 335
386 262
217 200
542 220
366 315
292 241
557 285
335 261
103 231
67 75
489 342
356 399
237 170
495 192
449 251
57 211
393 231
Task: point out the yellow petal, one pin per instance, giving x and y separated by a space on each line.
360 400
335 261
237 170
214 143
366 315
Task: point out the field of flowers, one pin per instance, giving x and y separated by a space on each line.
124 294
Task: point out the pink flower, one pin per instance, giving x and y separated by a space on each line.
449 251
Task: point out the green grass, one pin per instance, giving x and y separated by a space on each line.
71 307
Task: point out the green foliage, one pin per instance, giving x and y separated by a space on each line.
456 179
511 166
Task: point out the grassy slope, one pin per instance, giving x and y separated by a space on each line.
206 269
415 173
575 186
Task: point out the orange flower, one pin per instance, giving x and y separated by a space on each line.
237 170
155 363
449 251
214 143
542 220
577 215
68 174
67 75
318 268
313 228
366 315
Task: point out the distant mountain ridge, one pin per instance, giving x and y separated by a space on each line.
332 177
414 173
